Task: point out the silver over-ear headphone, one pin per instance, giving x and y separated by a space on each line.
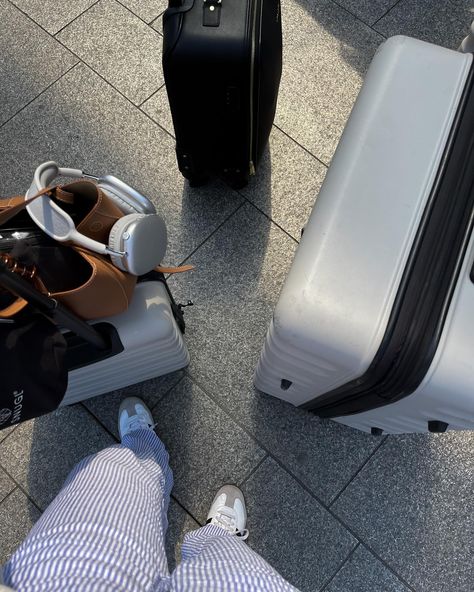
137 241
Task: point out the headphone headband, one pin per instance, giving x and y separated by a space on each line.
48 171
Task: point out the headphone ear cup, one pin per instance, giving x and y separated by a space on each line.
116 237
142 238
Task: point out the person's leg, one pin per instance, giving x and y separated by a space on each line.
105 530
216 558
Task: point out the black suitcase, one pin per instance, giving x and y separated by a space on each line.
222 63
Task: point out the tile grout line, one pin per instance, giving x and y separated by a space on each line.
155 19
91 68
300 145
165 394
254 470
15 485
187 257
245 202
175 499
333 577
357 18
387 566
29 17
38 95
95 418
359 470
150 117
9 494
8 435
249 201
148 24
370 549
22 489
74 19
152 95
383 16
296 478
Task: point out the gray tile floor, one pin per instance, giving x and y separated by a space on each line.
331 508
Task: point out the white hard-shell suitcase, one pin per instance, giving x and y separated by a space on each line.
375 323
147 342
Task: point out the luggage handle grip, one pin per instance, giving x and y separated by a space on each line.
211 13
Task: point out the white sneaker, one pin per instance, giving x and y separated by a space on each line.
134 415
228 511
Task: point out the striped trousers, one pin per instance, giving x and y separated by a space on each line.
105 531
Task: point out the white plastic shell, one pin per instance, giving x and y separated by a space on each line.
153 346
335 304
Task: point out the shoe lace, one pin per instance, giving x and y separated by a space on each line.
225 518
139 422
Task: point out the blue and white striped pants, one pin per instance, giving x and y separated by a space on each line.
105 531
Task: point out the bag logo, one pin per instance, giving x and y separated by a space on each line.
17 401
5 415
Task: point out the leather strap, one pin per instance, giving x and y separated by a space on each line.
13 308
11 211
180 269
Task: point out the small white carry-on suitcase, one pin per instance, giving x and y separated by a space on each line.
375 323
145 341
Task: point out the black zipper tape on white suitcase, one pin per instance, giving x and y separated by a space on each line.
426 290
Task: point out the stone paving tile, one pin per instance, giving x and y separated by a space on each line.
146 9
287 183
413 505
158 108
82 122
4 433
105 407
180 523
326 52
240 270
206 448
119 46
51 14
7 485
41 452
363 572
291 530
31 60
436 21
17 516
368 11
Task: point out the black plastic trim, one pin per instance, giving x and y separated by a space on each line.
81 353
431 275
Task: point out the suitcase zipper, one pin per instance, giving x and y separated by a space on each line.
252 82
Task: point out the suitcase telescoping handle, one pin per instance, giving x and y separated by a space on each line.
50 307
